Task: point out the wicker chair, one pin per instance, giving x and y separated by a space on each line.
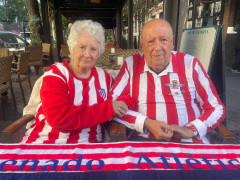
127 52
5 76
4 52
35 58
21 73
46 51
103 60
64 52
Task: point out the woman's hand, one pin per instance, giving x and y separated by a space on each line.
159 129
120 108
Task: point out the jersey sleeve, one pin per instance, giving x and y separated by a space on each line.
120 90
213 110
64 116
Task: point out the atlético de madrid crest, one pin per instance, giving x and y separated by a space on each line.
174 84
102 93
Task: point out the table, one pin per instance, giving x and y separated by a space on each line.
125 160
16 51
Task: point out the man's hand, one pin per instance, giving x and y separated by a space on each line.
159 129
181 132
120 108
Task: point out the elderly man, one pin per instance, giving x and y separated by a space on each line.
175 99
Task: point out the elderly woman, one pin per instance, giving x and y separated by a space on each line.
74 93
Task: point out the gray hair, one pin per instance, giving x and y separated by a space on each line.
86 26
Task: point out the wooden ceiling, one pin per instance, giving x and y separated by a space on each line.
102 11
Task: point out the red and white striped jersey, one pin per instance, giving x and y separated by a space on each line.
71 109
180 94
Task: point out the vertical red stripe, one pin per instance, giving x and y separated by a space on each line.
179 63
171 109
35 133
151 101
138 67
74 136
85 92
52 136
204 96
97 86
109 81
93 135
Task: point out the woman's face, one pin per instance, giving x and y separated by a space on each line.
86 52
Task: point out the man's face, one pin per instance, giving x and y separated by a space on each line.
157 43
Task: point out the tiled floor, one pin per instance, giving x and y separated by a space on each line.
232 98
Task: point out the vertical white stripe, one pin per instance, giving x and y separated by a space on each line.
179 101
63 70
142 97
99 132
44 133
188 61
78 92
161 111
62 138
217 113
92 92
102 80
129 62
84 135
121 85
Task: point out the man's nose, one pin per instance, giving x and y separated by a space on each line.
157 45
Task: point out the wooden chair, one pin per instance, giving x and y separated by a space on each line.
14 132
35 58
46 51
4 52
64 52
5 76
21 72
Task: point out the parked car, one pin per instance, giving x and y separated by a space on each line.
11 40
27 34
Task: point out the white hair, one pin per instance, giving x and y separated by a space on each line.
86 26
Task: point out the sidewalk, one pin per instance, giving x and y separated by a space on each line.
233 104
232 98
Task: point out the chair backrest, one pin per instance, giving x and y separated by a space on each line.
46 48
22 65
5 68
104 58
4 52
127 52
35 52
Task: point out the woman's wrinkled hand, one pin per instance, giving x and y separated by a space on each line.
160 130
120 108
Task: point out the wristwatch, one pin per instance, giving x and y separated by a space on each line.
193 128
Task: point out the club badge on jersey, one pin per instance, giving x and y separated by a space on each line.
102 93
175 84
